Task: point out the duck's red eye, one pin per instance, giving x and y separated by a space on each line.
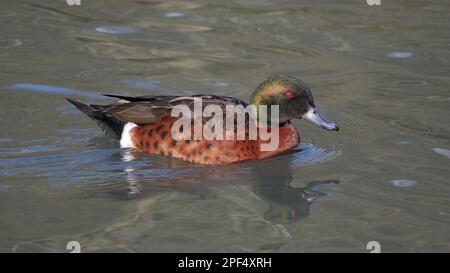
289 94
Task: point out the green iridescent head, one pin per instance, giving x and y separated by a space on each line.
293 97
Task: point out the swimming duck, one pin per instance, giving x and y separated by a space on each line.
146 123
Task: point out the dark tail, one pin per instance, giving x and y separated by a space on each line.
110 125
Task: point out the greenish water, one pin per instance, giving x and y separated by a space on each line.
382 73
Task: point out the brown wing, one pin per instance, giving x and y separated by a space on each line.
149 109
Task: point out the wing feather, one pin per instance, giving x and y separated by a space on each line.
149 109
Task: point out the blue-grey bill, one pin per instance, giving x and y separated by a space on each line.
313 115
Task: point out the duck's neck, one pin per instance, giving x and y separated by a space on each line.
288 139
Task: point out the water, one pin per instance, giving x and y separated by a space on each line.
382 76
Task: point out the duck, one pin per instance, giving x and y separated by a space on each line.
146 123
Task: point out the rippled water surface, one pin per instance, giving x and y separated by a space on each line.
382 73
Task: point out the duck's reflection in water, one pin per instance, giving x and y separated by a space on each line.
273 184
270 179
134 187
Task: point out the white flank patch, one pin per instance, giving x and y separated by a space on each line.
125 139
